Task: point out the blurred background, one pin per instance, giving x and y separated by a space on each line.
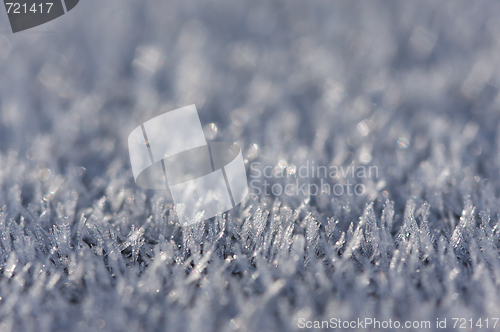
389 84
313 80
271 73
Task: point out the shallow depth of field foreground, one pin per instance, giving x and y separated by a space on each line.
409 88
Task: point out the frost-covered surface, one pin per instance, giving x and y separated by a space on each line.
409 87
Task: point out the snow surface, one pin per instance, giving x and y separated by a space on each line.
408 87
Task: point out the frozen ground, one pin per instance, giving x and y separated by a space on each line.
408 87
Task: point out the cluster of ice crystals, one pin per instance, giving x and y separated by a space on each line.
409 88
